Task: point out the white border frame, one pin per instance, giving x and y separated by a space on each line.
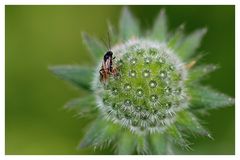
116 2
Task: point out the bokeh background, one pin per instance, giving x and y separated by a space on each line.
40 36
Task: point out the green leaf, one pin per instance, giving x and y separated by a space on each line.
191 43
176 39
159 31
95 47
100 135
142 144
85 106
76 75
128 27
126 144
200 72
158 144
205 97
190 122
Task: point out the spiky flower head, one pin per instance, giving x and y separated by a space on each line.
151 102
148 90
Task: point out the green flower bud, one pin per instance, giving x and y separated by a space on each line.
149 90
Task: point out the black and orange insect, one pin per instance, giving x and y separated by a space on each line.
107 68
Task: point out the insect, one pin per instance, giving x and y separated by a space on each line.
107 68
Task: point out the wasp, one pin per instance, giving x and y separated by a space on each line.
107 68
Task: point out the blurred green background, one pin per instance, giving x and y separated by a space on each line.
39 36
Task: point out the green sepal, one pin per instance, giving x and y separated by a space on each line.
176 39
177 137
85 106
79 76
207 98
126 144
95 47
143 146
128 26
159 31
100 135
200 72
190 44
189 121
158 143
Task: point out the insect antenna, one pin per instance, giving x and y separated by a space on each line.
109 41
105 43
